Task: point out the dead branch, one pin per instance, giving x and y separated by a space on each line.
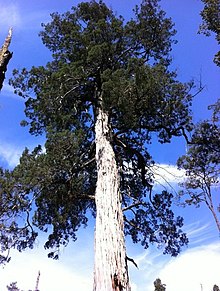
5 56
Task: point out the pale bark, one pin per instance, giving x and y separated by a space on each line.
5 56
209 203
111 272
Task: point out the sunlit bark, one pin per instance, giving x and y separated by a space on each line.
110 255
5 56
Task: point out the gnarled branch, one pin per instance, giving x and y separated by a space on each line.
5 56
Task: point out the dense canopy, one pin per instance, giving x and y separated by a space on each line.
95 52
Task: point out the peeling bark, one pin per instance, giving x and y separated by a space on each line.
5 56
111 272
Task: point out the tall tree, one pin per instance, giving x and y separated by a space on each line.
202 161
5 56
106 92
202 165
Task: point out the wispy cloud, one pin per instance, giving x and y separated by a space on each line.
15 16
185 272
195 268
167 177
9 16
167 174
200 233
10 154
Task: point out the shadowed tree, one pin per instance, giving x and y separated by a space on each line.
13 287
106 92
158 286
211 22
5 56
216 288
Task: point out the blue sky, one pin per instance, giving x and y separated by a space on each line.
192 58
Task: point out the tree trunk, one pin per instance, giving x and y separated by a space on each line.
5 56
210 205
111 272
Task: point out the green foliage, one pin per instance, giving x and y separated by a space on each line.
16 232
202 164
216 111
95 52
202 161
211 22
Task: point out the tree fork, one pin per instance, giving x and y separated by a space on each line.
5 56
111 272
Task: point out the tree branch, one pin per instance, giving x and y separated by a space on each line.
133 205
5 56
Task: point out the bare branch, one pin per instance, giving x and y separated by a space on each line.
5 56
133 205
131 260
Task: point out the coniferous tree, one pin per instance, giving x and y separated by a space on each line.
106 92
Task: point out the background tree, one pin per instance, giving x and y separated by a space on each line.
106 92
211 22
158 286
202 161
13 287
215 288
202 165
5 56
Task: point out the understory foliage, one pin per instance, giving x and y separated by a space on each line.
93 50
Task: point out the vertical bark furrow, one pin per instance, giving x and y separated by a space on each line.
110 255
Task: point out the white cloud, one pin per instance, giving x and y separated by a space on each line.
55 275
200 233
167 174
194 268
10 154
73 271
188 270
